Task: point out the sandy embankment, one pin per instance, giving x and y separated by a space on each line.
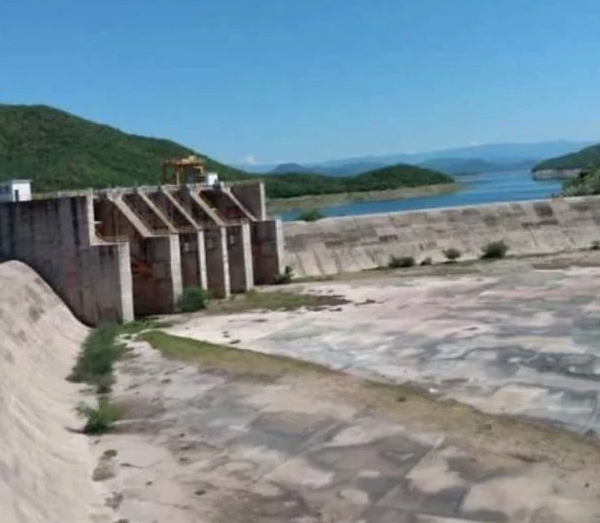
45 467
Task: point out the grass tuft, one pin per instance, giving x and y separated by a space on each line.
273 300
100 418
212 356
97 357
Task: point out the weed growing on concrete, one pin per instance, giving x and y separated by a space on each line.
401 262
214 357
595 245
426 261
285 277
193 299
494 250
136 326
101 418
97 357
311 215
274 300
452 254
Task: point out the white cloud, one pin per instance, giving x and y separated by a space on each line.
473 144
250 160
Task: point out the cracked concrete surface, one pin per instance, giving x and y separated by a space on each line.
522 343
214 447
203 447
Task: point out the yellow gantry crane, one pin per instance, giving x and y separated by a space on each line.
183 170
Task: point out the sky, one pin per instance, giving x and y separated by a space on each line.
270 81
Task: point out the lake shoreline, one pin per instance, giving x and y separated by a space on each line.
309 202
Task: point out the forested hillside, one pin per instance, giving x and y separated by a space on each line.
587 157
58 150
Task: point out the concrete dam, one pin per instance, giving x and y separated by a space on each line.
118 253
356 243
115 254
45 466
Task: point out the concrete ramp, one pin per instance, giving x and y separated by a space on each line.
130 215
239 204
158 212
207 209
180 208
45 469
356 243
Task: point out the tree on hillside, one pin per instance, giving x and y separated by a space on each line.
58 150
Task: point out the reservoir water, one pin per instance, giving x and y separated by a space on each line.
479 189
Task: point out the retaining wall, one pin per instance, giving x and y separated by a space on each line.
55 238
46 465
351 244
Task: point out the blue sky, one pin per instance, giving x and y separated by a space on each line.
300 80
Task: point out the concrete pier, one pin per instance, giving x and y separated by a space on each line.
93 277
119 253
241 273
217 262
267 250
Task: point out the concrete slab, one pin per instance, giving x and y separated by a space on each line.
284 450
521 343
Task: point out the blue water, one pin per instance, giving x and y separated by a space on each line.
480 188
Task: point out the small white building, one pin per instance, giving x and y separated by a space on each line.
212 179
15 191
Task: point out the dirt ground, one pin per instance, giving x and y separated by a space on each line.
241 437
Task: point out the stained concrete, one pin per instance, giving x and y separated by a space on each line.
355 243
123 252
199 446
56 238
45 464
524 342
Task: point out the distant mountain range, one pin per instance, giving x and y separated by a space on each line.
463 166
350 169
586 157
58 150
462 160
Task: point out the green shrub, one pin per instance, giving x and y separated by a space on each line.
285 277
452 254
97 357
312 215
401 262
193 299
494 250
595 245
101 418
426 261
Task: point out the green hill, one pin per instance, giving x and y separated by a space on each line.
587 157
58 150
587 183
290 185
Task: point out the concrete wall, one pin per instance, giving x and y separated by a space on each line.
350 244
113 224
217 262
159 293
54 237
252 195
148 215
239 248
193 260
267 250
